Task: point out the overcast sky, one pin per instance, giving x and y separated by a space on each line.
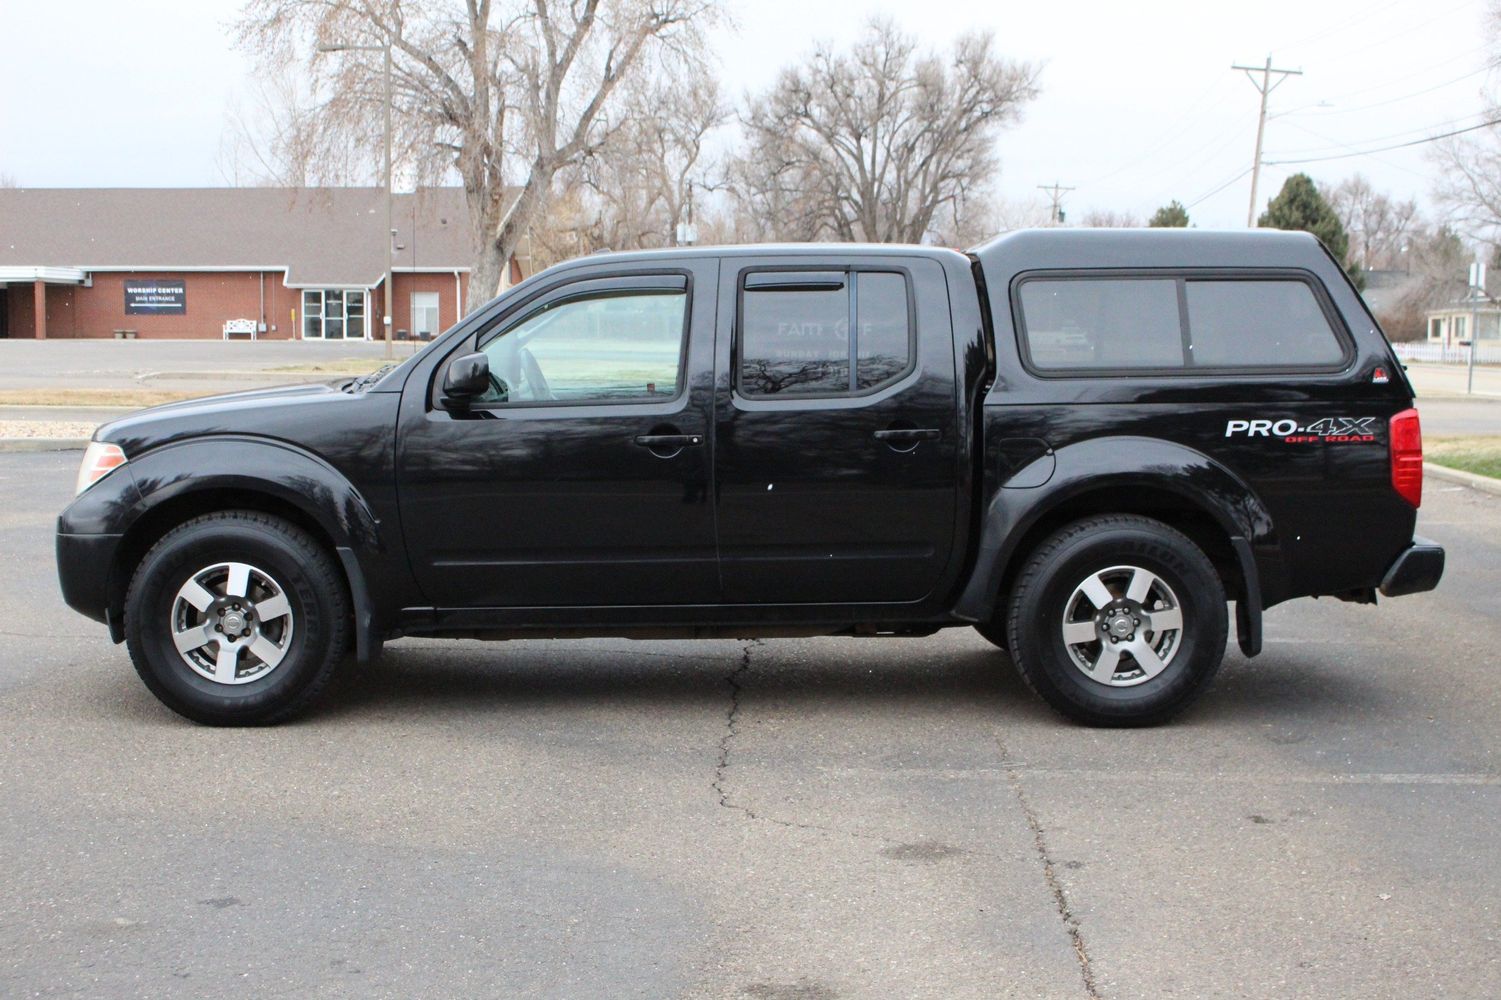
1138 102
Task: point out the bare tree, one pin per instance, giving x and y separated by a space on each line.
8 181
1438 260
505 93
271 138
1469 182
876 143
1378 225
648 176
1098 219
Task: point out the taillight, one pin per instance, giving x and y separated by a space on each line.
98 461
1407 456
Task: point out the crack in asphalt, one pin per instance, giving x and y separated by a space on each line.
730 720
721 768
1050 876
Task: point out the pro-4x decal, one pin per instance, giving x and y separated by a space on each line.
1329 430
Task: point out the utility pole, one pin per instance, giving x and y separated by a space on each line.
384 47
1265 85
1056 192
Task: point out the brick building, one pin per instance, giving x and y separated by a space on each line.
282 263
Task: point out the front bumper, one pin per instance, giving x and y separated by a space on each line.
1417 569
83 567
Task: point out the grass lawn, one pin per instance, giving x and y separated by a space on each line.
137 398
1481 455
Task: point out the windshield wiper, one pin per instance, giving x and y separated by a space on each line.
366 381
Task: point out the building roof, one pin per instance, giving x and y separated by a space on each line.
319 236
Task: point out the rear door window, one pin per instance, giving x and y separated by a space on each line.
795 332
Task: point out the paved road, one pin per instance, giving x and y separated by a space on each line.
161 364
219 366
792 819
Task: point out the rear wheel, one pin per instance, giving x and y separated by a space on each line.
237 618
1117 620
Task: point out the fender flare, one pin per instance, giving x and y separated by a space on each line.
1123 462
291 475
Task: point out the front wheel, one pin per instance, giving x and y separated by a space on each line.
237 618
1118 621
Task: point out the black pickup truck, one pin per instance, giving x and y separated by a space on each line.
1081 443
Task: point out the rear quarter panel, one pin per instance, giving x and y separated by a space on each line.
1318 508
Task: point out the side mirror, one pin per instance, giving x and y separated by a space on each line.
467 377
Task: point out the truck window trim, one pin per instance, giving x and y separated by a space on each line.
819 277
1181 276
581 288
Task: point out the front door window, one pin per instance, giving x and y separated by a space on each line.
602 348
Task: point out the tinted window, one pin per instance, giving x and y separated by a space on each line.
1102 323
609 348
795 340
883 341
1240 324
1124 323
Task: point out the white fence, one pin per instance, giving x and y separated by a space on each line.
1439 354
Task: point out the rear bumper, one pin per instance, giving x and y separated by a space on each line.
1417 569
83 565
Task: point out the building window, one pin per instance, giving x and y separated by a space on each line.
1460 327
424 315
333 314
1436 328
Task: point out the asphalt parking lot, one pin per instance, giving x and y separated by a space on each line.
787 820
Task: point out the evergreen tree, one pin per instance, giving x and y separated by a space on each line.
1170 216
1299 206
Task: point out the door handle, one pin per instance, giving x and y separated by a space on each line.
666 441
908 435
668 444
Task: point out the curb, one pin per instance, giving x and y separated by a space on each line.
15 445
1483 483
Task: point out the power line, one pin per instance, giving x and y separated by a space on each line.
1348 146
1383 149
1330 143
1166 136
1217 190
1395 100
1265 87
1427 17
1341 26
1387 84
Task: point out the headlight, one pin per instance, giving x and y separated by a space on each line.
99 459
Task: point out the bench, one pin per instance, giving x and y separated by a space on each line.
240 328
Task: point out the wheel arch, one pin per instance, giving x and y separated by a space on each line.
1171 483
266 477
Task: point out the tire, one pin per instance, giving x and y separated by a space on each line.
237 618
1088 576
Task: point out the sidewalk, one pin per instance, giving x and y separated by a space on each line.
1450 380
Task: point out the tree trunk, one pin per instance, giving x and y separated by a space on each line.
484 277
